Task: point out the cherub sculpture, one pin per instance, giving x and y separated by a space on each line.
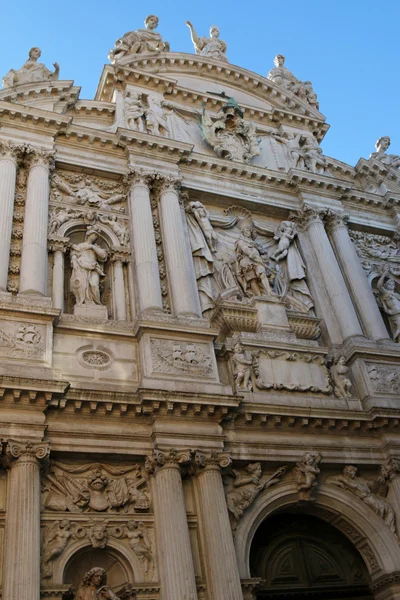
306 474
342 384
241 368
284 235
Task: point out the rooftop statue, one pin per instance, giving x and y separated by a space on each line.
31 71
212 46
139 41
285 78
392 160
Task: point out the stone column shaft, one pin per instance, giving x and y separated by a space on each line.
8 173
361 292
58 248
223 579
174 550
22 531
119 287
331 274
144 245
179 262
33 276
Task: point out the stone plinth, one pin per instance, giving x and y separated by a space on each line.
94 311
271 313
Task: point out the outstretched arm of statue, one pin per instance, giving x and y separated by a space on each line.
193 34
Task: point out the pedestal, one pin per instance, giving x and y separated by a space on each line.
92 311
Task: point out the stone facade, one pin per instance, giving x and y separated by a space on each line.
199 333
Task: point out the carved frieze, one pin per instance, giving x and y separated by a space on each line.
385 379
91 192
179 357
95 487
22 340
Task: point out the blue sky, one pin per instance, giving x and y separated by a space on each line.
350 50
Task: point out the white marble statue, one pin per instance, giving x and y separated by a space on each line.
212 46
382 145
31 71
293 142
313 158
285 78
342 384
156 116
304 151
86 270
202 216
134 111
250 267
390 300
241 368
139 41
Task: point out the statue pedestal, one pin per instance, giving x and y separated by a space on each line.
93 311
271 313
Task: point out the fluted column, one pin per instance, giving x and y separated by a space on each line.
118 258
361 292
8 172
143 243
311 220
222 571
174 551
182 279
58 247
22 530
33 275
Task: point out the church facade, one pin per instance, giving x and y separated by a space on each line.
199 337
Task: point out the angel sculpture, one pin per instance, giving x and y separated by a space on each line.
139 542
87 192
57 536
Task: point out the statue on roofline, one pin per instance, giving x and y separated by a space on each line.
285 78
211 47
391 160
139 42
31 71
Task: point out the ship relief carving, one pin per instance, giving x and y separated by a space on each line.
180 357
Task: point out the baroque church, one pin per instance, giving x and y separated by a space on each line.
199 337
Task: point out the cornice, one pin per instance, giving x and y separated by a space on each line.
62 90
28 116
142 143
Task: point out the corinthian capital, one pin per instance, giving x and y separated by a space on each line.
26 451
178 459
335 219
40 156
308 215
214 460
138 176
11 151
168 183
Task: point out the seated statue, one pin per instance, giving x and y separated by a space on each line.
392 160
93 587
31 71
212 46
285 78
139 41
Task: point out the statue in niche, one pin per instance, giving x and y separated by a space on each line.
155 115
306 475
57 536
86 270
139 542
341 383
139 41
134 111
290 273
241 368
87 192
251 269
370 492
212 46
31 71
94 586
285 78
246 487
229 134
391 160
390 300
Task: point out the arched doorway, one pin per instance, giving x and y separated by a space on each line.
300 556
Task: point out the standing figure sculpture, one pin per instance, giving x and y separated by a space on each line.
212 46
392 160
139 542
293 143
57 536
342 384
202 217
313 158
241 368
155 115
86 271
250 267
139 41
306 475
390 300
94 586
31 71
134 111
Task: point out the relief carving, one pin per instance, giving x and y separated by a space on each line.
390 301
241 368
385 379
341 384
98 535
64 490
138 540
92 192
56 538
306 475
184 358
303 152
370 491
21 341
242 488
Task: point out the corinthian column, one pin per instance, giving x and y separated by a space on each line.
222 571
311 220
143 243
118 258
361 292
174 551
33 276
22 530
8 172
182 279
58 247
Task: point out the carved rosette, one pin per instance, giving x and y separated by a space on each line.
308 216
335 220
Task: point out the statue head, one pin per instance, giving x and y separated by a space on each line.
214 31
132 525
151 22
34 53
254 469
383 143
279 60
91 235
238 348
64 524
390 285
96 576
341 360
99 532
350 471
310 458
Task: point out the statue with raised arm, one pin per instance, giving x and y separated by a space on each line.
94 586
202 217
31 71
86 270
250 267
392 160
212 46
139 42
390 300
